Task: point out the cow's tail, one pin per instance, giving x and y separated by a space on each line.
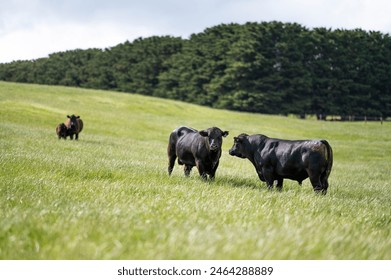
329 160
171 151
329 157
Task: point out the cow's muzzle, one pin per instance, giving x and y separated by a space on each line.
232 152
214 148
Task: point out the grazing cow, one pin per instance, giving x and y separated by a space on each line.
74 125
196 148
62 131
276 159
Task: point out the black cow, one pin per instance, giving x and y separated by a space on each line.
62 131
196 148
74 125
276 159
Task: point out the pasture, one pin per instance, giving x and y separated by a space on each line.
108 195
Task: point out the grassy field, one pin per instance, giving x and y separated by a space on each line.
108 196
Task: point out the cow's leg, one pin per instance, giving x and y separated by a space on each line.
171 163
280 181
77 136
269 178
325 183
71 136
315 181
201 169
260 175
187 169
213 172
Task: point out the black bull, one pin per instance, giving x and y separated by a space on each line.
74 125
196 148
276 159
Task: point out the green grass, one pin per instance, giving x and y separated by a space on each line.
108 195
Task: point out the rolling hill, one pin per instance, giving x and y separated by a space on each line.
108 195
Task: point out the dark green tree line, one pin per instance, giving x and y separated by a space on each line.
268 67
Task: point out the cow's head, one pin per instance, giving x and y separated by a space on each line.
73 125
215 137
238 148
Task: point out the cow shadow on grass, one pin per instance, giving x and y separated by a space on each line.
237 182
256 184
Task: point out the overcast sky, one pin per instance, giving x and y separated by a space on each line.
35 28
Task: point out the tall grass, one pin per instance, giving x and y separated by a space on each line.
108 196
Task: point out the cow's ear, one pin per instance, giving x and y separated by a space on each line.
225 133
78 117
203 133
68 117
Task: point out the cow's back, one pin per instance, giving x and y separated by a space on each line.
294 152
188 146
175 136
293 158
179 146
178 133
183 130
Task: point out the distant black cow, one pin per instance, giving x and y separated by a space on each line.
62 131
74 125
196 148
276 159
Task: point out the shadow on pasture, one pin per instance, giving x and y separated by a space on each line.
237 182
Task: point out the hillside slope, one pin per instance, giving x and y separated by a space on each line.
108 196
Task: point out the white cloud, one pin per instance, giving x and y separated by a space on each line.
36 28
346 14
43 39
